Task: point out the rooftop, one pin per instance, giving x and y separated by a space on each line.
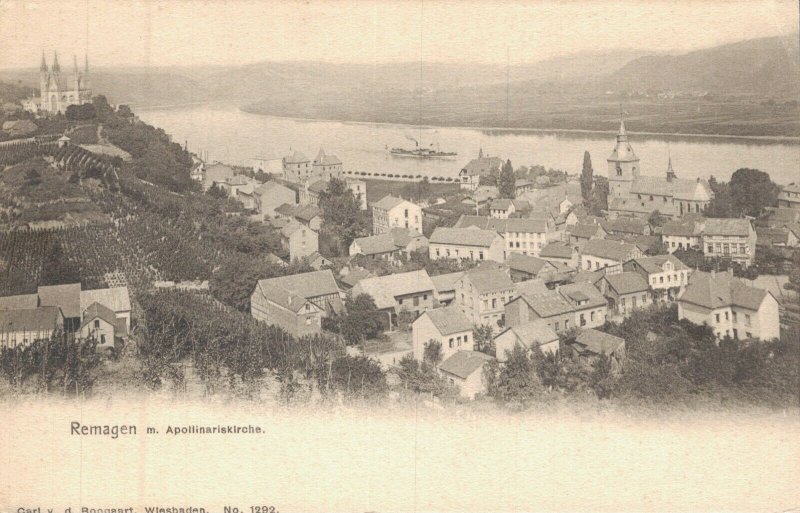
385 289
388 202
67 297
627 282
115 298
486 281
464 363
721 289
597 342
292 290
30 319
464 236
556 250
528 264
449 320
612 250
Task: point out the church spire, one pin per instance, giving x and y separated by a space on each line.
75 64
86 63
43 66
56 67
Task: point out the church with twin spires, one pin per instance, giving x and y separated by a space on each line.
58 91
631 194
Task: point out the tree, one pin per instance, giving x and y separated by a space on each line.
600 195
216 192
506 181
484 339
656 219
587 178
751 191
81 112
33 177
362 321
601 380
433 353
341 213
517 380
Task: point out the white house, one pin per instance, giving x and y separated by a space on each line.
448 326
531 334
731 307
465 371
391 212
466 243
607 254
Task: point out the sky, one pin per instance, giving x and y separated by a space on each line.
197 33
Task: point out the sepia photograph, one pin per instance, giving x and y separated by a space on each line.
418 256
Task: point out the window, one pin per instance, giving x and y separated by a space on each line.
717 316
485 304
480 255
556 325
96 324
406 212
466 338
416 300
726 316
661 279
424 297
589 265
583 320
400 301
622 302
748 334
451 343
747 320
308 321
102 339
735 333
710 249
591 316
734 317
651 197
644 298
437 252
494 302
634 301
566 324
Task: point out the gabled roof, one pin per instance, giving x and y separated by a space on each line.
528 264
482 165
388 202
19 302
486 281
354 276
593 341
464 236
270 188
532 287
303 212
318 186
30 319
609 249
583 291
237 180
536 332
296 158
655 264
584 231
376 244
556 250
627 225
449 320
446 282
681 228
727 227
627 282
324 159
292 227
464 363
384 289
284 289
115 298
547 304
718 290
515 224
98 311
67 297
501 204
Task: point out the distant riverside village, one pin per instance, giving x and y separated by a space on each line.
306 278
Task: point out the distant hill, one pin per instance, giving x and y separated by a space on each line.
767 67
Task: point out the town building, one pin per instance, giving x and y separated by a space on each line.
526 267
23 326
503 208
470 175
666 275
581 232
729 306
561 254
271 195
577 305
412 292
115 299
466 244
312 190
607 254
527 335
733 239
445 285
448 326
626 292
296 302
789 197
67 297
56 91
389 246
631 194
308 215
522 235
216 173
392 212
627 226
299 241
103 325
297 167
268 164
482 294
591 343
326 166
465 371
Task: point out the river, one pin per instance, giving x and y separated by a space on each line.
229 135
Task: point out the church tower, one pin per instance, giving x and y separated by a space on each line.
623 165
44 82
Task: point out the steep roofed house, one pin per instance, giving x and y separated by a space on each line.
666 275
466 243
392 212
116 299
402 292
626 291
464 370
581 232
482 293
308 215
504 208
528 335
19 327
390 245
311 190
560 254
789 197
526 267
216 173
299 240
271 195
729 306
446 286
102 324
470 174
682 234
522 235
359 190
326 166
448 326
296 302
627 225
591 343
729 238
570 306
297 167
607 254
